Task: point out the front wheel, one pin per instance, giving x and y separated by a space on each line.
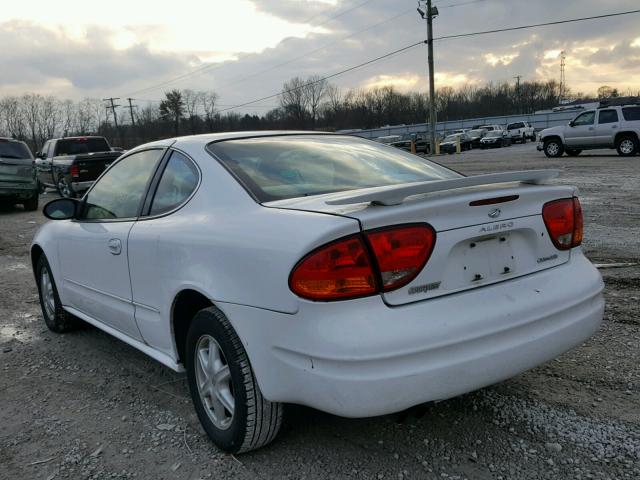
627 146
55 317
553 148
224 389
64 188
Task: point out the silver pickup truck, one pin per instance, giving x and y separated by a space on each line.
605 127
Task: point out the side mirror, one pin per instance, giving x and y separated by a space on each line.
38 154
572 123
61 209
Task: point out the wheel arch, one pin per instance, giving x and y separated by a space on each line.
626 133
36 253
553 137
186 303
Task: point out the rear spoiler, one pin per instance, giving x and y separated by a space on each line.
396 194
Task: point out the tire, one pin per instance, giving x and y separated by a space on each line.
573 153
31 205
254 421
56 318
64 188
524 139
627 146
553 148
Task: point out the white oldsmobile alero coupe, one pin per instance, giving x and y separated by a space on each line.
318 269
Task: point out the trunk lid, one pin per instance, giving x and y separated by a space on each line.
476 245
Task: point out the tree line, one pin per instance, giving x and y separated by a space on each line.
304 103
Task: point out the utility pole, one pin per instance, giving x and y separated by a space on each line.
113 109
427 11
131 107
563 80
518 77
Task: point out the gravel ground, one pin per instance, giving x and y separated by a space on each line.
85 405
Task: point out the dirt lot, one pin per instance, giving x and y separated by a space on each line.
85 405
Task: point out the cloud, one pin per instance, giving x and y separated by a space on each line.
118 58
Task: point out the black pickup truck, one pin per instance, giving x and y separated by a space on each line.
72 164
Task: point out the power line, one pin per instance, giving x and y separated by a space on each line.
400 50
536 25
236 80
341 72
213 67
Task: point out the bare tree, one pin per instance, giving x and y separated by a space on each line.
11 117
192 101
314 91
31 110
294 100
208 101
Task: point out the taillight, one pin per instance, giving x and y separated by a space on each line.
563 219
344 269
75 171
401 252
335 271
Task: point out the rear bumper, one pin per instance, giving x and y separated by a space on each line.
81 186
18 189
361 358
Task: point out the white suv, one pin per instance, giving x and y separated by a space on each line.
606 127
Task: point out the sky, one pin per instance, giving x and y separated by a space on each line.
246 49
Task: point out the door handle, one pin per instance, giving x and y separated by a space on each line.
590 128
115 246
614 126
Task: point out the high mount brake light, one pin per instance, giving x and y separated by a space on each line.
564 222
344 269
401 252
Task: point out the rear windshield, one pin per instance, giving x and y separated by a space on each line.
10 149
277 168
631 113
511 126
75 146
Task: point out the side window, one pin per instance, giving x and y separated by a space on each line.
118 193
607 116
631 113
179 180
586 118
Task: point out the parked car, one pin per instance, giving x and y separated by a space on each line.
389 139
491 128
422 146
476 135
71 164
318 269
495 139
520 132
607 127
18 180
449 144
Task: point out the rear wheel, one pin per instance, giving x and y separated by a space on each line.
31 204
223 388
627 146
56 318
553 148
573 153
64 188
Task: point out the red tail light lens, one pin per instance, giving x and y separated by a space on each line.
75 171
336 271
563 219
401 252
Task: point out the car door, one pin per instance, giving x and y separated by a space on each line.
581 131
94 252
155 244
607 127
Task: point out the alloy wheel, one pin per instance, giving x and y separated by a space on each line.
48 297
627 146
214 382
